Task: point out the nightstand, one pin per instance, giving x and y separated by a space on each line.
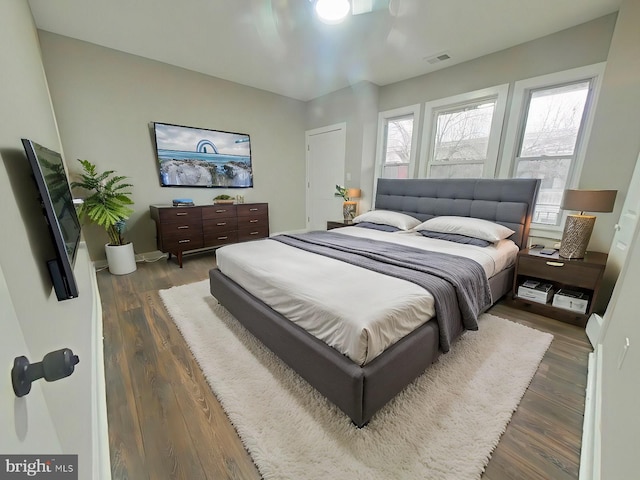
340 223
578 275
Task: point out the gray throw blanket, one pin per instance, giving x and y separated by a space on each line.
459 285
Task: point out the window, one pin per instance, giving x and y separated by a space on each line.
462 134
396 145
551 121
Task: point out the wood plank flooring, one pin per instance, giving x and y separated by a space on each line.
164 422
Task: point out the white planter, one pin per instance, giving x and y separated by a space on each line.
121 258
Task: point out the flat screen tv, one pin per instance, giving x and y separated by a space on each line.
60 213
199 157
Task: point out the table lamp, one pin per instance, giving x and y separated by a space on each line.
349 207
578 227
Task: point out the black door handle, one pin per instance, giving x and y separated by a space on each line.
54 366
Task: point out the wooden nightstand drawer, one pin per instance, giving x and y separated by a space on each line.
569 272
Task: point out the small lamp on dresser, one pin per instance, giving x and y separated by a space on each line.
578 227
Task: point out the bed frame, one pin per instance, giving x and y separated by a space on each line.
360 391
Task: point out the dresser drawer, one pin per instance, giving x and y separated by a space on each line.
215 239
179 243
252 209
179 214
251 233
559 270
217 225
218 211
184 226
253 221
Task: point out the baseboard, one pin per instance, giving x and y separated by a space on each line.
146 257
590 451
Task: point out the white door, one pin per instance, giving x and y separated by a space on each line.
325 169
25 422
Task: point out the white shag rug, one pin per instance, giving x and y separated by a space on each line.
443 426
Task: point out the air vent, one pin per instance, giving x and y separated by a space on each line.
441 57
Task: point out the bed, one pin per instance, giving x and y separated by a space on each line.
361 387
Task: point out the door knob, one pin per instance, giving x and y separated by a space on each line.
54 366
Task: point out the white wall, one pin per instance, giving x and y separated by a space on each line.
46 324
105 99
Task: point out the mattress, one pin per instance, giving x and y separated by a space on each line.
356 311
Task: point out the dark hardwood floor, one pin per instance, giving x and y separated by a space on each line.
164 422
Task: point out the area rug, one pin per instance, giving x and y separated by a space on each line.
443 426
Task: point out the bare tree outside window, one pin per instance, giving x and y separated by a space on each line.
461 140
548 145
398 147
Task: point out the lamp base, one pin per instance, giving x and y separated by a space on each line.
349 210
576 235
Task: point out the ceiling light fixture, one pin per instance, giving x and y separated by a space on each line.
332 11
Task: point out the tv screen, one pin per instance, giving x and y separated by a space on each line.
60 213
199 157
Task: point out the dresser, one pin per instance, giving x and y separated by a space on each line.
181 229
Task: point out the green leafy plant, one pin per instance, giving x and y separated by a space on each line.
107 202
342 192
223 197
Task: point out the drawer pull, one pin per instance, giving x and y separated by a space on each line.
184 241
253 221
221 211
253 209
182 227
254 233
181 214
221 224
222 238
555 264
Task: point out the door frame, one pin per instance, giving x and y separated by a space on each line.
310 133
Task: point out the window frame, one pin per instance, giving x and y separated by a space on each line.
383 118
432 108
516 125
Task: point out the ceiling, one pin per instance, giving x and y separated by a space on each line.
278 45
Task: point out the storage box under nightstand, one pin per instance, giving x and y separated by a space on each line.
540 292
571 300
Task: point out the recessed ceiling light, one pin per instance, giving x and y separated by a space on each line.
332 11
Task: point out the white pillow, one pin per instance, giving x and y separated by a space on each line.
387 217
471 227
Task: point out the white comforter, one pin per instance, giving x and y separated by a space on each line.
356 311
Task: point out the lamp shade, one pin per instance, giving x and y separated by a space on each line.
353 193
589 200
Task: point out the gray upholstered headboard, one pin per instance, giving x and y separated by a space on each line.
509 202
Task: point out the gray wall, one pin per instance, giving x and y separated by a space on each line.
46 323
614 144
358 107
105 99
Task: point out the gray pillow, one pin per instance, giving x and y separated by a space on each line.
377 226
455 237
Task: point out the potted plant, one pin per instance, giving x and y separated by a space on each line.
107 205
